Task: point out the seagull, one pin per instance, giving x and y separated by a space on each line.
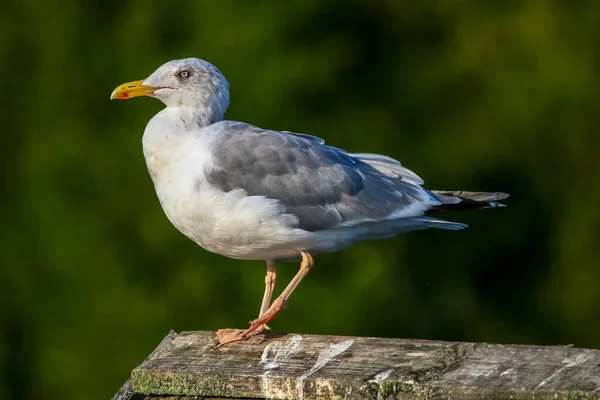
257 194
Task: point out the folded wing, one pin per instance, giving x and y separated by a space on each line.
322 186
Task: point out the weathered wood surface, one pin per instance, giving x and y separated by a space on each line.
325 367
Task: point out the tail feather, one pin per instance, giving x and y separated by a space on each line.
461 200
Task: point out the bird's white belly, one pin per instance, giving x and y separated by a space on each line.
231 224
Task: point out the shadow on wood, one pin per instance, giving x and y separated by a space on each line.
187 366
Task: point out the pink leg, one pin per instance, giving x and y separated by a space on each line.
231 335
270 280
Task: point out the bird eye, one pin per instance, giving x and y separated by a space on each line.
184 74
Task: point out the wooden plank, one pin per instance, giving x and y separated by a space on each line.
296 366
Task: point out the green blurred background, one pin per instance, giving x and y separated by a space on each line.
476 95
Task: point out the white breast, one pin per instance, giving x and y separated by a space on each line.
232 224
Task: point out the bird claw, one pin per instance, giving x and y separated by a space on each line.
229 335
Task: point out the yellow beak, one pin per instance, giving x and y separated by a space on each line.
132 89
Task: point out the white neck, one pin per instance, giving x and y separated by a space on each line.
167 136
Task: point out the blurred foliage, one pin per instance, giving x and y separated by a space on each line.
475 95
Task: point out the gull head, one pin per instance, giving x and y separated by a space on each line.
188 83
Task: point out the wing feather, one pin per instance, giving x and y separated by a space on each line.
324 187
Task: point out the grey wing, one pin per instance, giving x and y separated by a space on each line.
389 167
324 187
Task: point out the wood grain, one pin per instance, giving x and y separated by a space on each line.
296 366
